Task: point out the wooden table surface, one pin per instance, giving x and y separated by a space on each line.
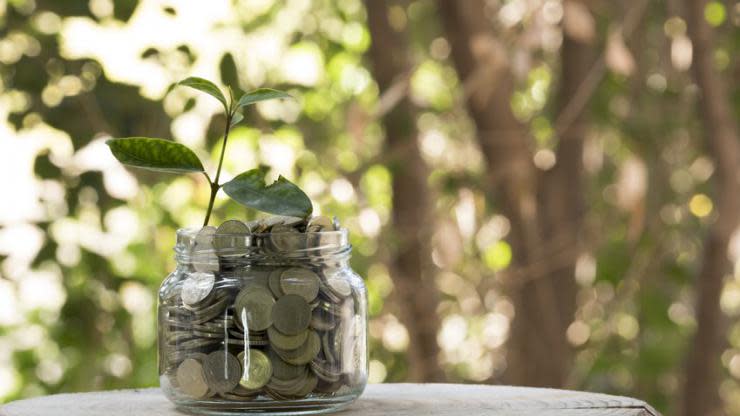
378 400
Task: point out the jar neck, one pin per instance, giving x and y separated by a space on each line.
214 252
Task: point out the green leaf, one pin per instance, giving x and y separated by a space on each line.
261 94
155 154
236 119
282 197
207 87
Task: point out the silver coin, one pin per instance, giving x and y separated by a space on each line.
197 288
287 238
320 223
230 237
205 235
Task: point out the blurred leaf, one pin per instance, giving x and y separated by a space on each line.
207 87
261 94
228 70
236 119
124 9
155 154
282 197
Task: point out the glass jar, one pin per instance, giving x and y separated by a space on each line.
262 322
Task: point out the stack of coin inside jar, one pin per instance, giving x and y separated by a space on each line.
264 310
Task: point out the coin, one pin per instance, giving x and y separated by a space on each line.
239 397
322 320
305 353
203 257
286 342
197 287
289 388
325 371
211 311
258 276
240 341
326 348
232 227
319 223
196 343
300 281
243 392
327 387
257 369
291 314
273 282
205 235
191 379
308 385
339 286
178 336
287 220
254 304
230 237
282 370
286 238
222 371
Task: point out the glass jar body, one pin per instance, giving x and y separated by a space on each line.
247 328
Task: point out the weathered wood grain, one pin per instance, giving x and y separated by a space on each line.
378 400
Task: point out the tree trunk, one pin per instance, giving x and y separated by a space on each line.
537 336
723 145
415 292
562 204
541 208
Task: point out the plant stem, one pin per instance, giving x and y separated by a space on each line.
215 185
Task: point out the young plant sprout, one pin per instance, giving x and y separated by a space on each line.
282 197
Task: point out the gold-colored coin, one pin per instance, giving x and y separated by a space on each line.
191 379
273 282
282 370
255 304
308 385
305 353
291 314
326 371
300 281
286 342
222 371
257 369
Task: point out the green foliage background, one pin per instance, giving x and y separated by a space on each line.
84 244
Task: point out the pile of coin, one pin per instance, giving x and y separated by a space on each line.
247 319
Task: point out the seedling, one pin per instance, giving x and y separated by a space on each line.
282 197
